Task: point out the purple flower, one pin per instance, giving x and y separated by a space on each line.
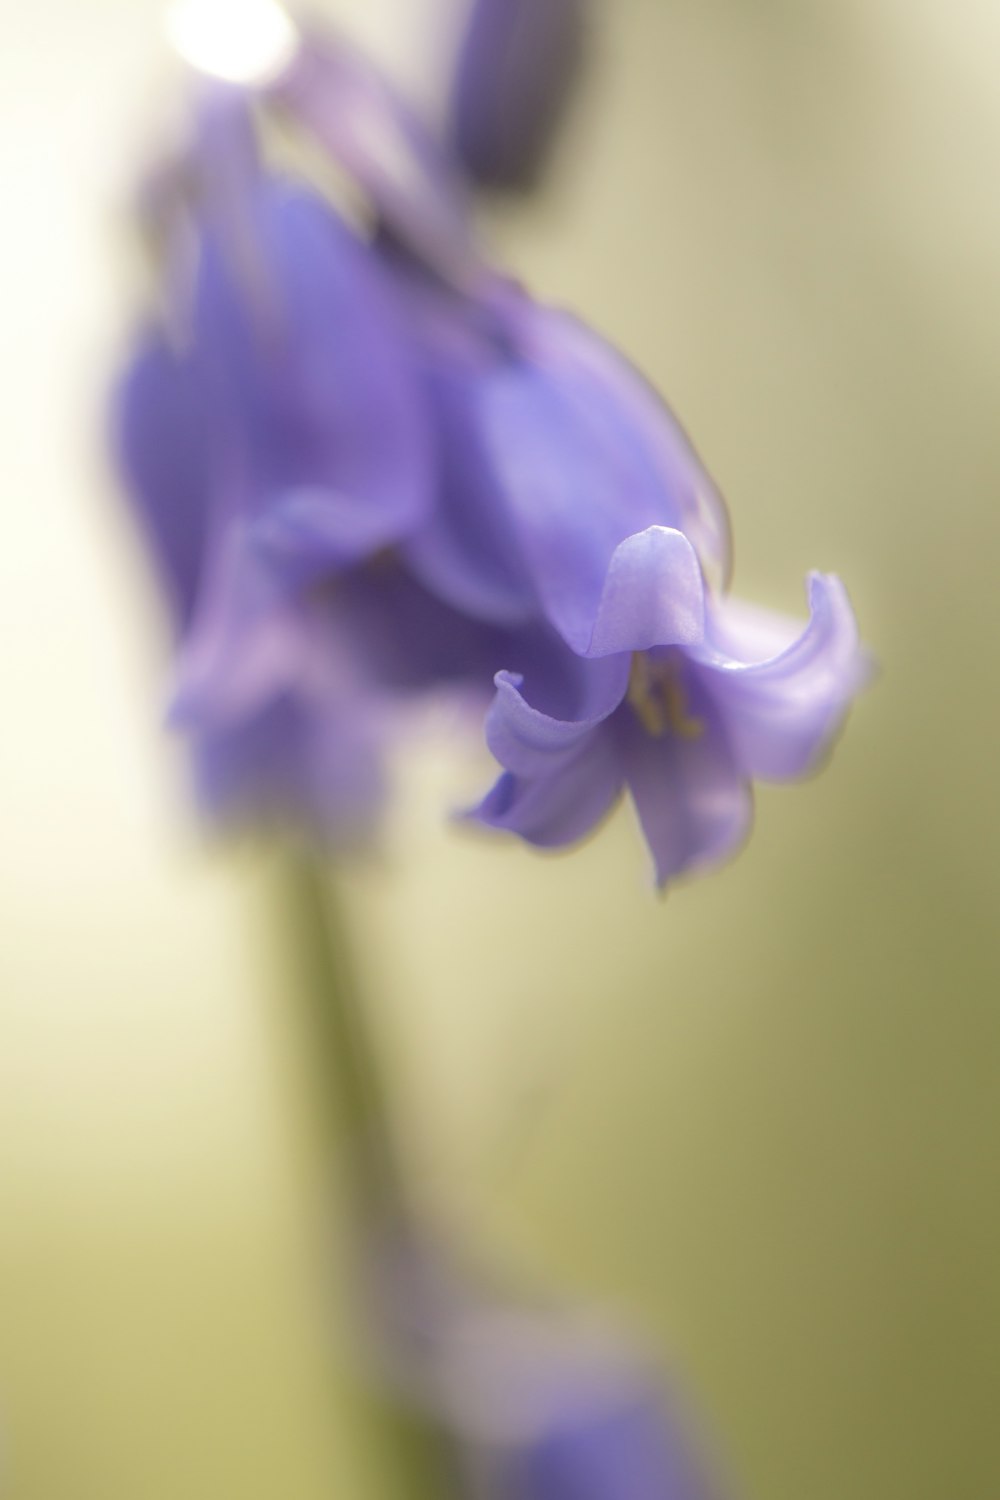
372 467
466 549
273 441
575 511
274 435
306 758
277 728
544 1401
558 1410
684 701
518 63
550 451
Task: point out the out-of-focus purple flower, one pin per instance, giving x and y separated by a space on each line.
555 1409
564 1415
315 412
278 729
466 550
551 450
307 759
685 701
285 415
164 441
273 441
544 1402
517 66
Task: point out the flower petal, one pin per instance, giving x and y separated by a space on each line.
562 772
582 467
693 803
531 741
249 640
405 639
163 434
781 711
467 549
311 381
557 809
653 595
313 763
697 506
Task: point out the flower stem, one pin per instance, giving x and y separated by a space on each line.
356 1109
354 1093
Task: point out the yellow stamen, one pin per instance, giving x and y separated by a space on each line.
657 698
642 696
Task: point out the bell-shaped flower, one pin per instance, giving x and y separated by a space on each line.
466 549
551 451
288 697
273 434
685 702
278 729
586 457
318 423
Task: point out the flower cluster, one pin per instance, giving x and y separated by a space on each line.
371 467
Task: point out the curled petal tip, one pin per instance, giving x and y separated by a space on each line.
653 595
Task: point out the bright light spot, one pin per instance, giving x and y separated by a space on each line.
242 41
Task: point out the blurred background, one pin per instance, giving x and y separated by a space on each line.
759 1120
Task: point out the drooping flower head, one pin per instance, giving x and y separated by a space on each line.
370 466
581 517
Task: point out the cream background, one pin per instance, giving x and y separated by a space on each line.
761 1117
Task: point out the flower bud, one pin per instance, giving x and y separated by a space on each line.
518 64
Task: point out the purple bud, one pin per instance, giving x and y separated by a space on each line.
554 1407
518 64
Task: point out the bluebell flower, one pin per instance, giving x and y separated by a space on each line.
287 361
288 695
465 550
572 508
273 440
279 731
307 757
552 451
711 696
518 63
619 544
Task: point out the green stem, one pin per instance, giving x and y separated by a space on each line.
353 1093
357 1112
